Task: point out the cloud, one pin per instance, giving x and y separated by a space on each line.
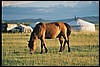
76 3
11 3
45 10
70 3
46 3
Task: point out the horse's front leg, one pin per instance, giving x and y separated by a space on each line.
41 48
43 44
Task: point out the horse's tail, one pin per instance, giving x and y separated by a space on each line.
68 29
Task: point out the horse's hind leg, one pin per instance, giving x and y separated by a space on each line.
61 41
68 45
66 40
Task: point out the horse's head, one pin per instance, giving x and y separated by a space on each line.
32 46
37 33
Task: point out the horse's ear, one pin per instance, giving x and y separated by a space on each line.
42 24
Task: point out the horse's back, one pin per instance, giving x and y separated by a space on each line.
54 29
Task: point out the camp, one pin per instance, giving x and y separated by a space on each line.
82 25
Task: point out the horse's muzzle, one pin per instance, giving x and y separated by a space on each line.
31 53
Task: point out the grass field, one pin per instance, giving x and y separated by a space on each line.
84 50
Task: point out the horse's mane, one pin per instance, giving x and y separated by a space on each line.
38 29
39 24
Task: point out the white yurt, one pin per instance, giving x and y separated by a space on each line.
81 25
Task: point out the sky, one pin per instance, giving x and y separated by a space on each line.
50 9
44 3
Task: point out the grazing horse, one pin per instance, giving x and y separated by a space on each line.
50 31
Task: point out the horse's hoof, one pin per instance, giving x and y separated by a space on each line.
31 53
40 52
60 51
68 50
46 51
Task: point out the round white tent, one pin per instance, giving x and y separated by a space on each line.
81 25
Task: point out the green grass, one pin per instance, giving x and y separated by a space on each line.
79 56
84 51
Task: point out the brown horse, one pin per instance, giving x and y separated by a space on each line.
49 31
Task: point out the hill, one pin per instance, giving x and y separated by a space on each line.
92 19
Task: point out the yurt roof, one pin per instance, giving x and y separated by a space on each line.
80 22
